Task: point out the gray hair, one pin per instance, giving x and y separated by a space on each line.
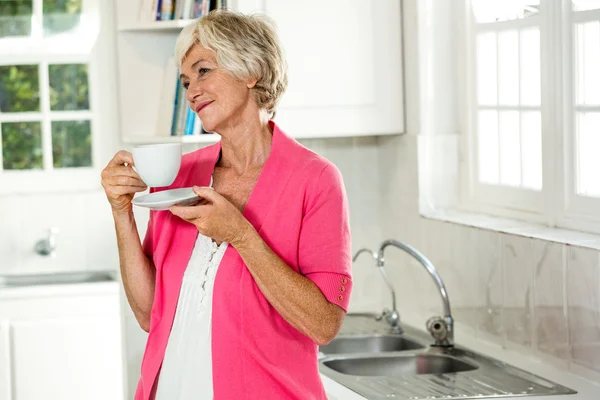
246 46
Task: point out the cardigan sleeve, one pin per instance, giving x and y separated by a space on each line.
324 251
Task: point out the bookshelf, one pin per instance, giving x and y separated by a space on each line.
144 47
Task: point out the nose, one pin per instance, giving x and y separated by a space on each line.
194 91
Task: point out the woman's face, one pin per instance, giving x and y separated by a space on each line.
217 97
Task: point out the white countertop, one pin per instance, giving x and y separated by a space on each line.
586 389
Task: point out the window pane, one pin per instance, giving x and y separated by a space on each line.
582 5
19 88
508 67
60 15
587 46
531 150
487 78
69 87
510 149
588 161
71 144
487 140
530 67
22 145
15 17
503 10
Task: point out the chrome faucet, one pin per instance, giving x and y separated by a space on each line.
47 246
441 328
392 316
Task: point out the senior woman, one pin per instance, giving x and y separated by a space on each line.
238 291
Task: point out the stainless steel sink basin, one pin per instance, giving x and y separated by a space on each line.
419 364
393 370
369 344
59 278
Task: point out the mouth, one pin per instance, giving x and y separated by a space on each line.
202 105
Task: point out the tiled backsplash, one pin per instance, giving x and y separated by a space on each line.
520 292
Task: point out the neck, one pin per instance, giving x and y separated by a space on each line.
246 145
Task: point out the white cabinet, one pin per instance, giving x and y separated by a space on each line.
344 60
345 66
58 346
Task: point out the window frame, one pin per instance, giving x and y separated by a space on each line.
40 51
579 210
556 204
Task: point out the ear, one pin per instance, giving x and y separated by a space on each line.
250 83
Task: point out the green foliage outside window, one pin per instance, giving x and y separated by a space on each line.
19 88
69 87
60 15
15 17
22 145
71 144
21 141
20 92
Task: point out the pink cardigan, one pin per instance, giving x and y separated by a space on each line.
299 208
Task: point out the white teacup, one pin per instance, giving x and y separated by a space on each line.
157 164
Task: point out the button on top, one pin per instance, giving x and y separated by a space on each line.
342 288
344 281
340 298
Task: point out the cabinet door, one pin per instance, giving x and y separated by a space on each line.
5 381
68 358
344 62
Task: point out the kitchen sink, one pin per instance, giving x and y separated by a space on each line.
59 278
368 358
369 344
419 364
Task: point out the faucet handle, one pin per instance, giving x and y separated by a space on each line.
438 328
384 314
47 246
392 318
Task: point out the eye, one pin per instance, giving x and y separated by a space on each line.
203 71
185 85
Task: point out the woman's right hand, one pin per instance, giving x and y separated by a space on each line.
121 182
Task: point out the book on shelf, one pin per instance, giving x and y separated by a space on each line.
175 117
169 10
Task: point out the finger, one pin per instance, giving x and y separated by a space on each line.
121 180
207 193
186 212
121 158
120 170
121 190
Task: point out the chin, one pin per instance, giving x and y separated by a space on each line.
208 126
213 121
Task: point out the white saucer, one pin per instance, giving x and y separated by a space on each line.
167 198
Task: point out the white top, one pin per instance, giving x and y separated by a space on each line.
186 371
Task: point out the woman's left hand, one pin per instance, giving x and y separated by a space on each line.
215 217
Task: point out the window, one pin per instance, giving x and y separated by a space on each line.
47 117
534 110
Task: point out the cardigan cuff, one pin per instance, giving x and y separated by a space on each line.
335 287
